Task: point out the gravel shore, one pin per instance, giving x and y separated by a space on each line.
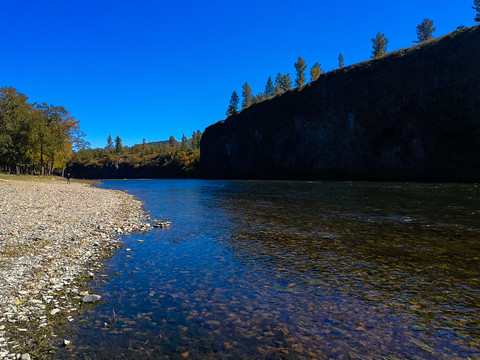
53 235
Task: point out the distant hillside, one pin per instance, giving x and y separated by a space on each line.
166 142
413 114
162 142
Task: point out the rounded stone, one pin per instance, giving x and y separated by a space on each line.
91 298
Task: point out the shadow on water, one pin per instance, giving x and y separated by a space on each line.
292 270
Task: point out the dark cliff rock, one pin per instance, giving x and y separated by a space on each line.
411 115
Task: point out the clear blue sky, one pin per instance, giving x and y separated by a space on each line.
155 68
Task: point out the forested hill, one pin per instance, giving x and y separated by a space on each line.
161 159
413 114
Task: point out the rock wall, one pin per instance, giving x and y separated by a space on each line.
412 115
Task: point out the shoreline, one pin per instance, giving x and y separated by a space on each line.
54 237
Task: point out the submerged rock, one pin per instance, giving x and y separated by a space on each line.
91 298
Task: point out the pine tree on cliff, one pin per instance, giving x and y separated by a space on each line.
476 7
340 61
110 143
300 67
286 82
379 45
118 145
278 84
232 108
425 31
260 97
315 72
247 96
269 88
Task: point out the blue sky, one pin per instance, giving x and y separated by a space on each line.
153 68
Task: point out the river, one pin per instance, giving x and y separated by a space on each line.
291 270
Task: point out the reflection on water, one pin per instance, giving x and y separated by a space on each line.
293 270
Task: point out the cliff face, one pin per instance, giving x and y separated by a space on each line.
411 115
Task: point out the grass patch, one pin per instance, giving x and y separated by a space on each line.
8 177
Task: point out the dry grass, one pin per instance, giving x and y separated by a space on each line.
8 177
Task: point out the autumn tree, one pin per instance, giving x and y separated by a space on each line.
315 72
15 129
340 61
247 95
233 106
425 31
35 135
476 7
269 88
47 137
300 67
379 45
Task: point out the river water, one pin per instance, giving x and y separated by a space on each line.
291 270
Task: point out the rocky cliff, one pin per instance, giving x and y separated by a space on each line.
413 114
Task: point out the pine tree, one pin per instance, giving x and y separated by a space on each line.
247 96
315 72
269 88
232 108
476 7
300 67
184 144
425 31
110 143
379 45
260 97
340 61
196 137
118 145
278 84
172 141
286 82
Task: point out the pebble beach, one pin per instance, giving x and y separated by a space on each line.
54 237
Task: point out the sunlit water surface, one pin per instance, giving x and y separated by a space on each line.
292 270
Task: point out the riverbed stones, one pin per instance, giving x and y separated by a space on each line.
51 235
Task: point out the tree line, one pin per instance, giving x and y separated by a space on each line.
283 83
40 138
35 138
170 159
425 31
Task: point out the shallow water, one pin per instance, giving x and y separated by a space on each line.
292 270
